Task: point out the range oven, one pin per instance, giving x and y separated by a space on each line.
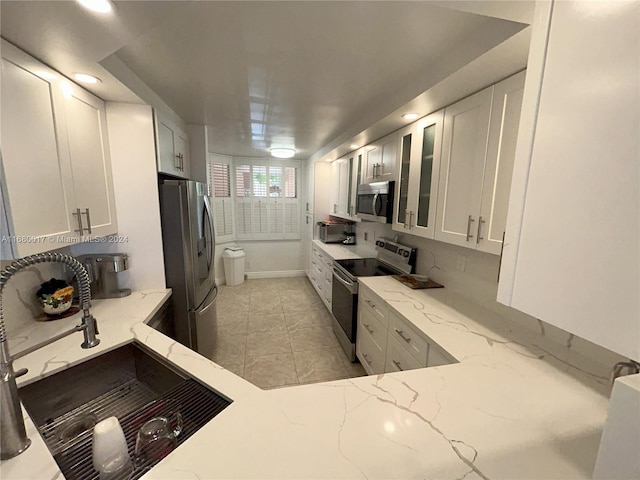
393 259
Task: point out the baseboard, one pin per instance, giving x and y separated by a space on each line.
283 274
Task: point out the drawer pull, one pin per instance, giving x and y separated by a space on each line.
366 358
400 334
372 305
397 364
369 329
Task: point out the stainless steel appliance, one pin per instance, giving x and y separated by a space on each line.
393 259
332 232
103 269
189 247
374 201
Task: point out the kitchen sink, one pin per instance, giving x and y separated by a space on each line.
130 383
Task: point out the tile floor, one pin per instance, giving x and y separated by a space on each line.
276 332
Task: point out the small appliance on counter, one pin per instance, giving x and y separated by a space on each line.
335 231
350 234
103 269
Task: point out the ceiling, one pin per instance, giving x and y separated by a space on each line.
266 74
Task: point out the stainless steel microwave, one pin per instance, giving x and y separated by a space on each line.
374 201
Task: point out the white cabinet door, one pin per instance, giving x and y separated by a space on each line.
90 162
503 133
380 159
344 181
418 172
571 250
464 146
334 188
172 148
37 180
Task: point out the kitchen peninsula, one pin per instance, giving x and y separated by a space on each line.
515 406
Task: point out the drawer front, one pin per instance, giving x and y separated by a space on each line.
409 338
375 303
369 323
398 358
371 357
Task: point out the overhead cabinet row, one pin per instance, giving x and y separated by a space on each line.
453 170
57 185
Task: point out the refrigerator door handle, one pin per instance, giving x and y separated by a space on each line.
211 303
207 207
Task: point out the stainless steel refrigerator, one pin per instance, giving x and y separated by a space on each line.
189 251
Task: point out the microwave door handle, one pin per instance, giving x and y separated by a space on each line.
374 208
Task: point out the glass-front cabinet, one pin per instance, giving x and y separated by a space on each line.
418 171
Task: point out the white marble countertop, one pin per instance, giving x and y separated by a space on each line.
337 251
514 407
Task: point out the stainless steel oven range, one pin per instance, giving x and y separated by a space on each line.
393 259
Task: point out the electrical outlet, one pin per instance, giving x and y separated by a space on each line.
461 264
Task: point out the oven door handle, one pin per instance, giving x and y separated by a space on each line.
352 287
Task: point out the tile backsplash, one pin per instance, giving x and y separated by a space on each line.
474 275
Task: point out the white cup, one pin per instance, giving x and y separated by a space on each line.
110 455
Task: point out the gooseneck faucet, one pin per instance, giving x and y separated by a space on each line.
13 437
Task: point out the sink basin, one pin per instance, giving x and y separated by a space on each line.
130 383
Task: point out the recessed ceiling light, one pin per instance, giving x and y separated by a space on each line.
86 78
46 75
99 6
282 152
328 159
410 116
354 146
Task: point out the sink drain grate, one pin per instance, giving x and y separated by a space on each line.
197 404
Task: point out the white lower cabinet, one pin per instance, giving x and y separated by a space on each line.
322 274
387 342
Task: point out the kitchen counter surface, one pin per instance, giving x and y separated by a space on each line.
515 406
337 251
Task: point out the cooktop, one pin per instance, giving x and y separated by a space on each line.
393 259
366 267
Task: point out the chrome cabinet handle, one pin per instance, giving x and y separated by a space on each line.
397 364
307 206
366 358
368 302
480 222
469 228
79 217
406 213
401 335
410 218
369 329
86 212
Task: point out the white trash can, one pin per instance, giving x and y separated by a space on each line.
233 258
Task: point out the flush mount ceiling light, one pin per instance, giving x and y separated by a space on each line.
282 152
86 78
410 116
99 6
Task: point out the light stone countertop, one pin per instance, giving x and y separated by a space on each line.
516 406
337 251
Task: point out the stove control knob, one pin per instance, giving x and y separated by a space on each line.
400 251
405 253
380 243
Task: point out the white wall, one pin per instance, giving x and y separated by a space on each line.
478 282
133 161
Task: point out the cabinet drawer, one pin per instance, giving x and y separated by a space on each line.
409 338
371 357
399 359
369 323
375 303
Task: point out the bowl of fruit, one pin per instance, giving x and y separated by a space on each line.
55 296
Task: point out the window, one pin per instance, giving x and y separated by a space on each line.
219 175
265 204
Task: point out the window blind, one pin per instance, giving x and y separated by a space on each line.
219 177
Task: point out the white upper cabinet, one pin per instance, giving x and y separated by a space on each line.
498 170
344 178
172 147
464 146
478 151
571 255
380 159
418 171
90 162
57 180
